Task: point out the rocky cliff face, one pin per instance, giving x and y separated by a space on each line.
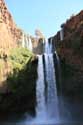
10 35
70 27
70 50
71 47
9 32
73 24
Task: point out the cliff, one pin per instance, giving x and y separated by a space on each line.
17 66
70 51
70 27
10 38
9 31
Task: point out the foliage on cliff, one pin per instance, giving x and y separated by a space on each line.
20 84
19 57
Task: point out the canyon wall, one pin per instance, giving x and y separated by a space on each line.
9 32
70 51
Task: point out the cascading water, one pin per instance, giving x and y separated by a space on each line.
23 40
61 34
26 42
50 109
40 109
30 44
52 100
47 110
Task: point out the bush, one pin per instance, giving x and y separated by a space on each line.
19 57
23 69
21 83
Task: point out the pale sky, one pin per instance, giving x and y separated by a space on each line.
46 15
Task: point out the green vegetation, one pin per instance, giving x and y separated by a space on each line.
19 57
1 64
21 60
20 82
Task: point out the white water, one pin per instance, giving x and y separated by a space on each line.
50 109
61 34
48 48
30 44
23 41
26 42
52 100
47 111
41 108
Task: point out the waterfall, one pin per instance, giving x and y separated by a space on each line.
23 40
40 109
61 35
30 44
52 100
26 42
47 110
48 47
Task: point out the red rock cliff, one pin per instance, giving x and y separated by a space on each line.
70 50
9 32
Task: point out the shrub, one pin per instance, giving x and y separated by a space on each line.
23 71
19 57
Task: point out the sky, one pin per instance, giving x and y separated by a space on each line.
46 15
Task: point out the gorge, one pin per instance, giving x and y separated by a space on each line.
51 107
41 80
